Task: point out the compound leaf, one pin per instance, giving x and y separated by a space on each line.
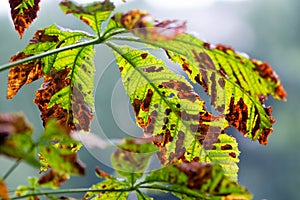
197 180
15 138
68 77
237 85
66 93
132 157
23 12
92 14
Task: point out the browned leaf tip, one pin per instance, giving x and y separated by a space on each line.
22 74
238 116
101 173
54 177
79 109
52 84
3 191
23 14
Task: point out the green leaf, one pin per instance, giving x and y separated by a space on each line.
30 189
196 180
16 138
58 151
225 152
166 107
132 157
237 85
92 14
110 188
23 12
68 77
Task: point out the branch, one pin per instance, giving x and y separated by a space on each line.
72 191
48 53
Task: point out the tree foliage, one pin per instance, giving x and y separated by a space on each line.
198 159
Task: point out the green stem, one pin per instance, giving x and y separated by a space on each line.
12 168
73 191
48 53
177 190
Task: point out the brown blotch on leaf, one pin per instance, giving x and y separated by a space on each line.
136 104
22 74
22 17
224 48
265 70
213 89
153 69
179 149
162 139
204 61
238 115
79 109
263 139
149 127
186 67
281 92
40 36
147 101
226 147
197 173
52 176
77 166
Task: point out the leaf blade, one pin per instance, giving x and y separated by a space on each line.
92 14
201 180
198 60
131 159
23 12
167 108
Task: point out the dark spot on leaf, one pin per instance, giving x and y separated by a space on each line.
168 111
153 69
136 104
144 55
232 154
226 147
166 120
147 101
203 60
238 115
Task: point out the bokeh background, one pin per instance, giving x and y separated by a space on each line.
267 30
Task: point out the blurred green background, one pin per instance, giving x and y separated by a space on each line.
267 30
